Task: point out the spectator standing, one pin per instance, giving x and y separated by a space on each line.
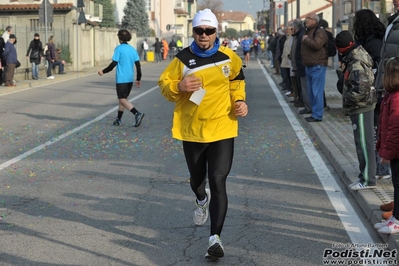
279 49
359 99
58 61
304 100
10 56
279 53
6 36
157 49
179 45
165 47
7 33
271 48
388 140
173 48
145 47
50 56
208 144
262 47
124 59
35 53
369 32
285 65
315 58
294 69
2 62
390 49
234 44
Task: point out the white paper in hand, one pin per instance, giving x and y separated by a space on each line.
197 96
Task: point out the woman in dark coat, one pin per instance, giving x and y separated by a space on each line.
34 53
369 32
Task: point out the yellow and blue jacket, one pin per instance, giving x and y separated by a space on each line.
223 80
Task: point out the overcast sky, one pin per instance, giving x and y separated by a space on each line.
248 6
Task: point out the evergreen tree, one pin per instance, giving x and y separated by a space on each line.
108 20
136 18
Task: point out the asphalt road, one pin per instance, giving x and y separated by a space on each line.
75 190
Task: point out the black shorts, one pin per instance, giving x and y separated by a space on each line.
247 52
123 90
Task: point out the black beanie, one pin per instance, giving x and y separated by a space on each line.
344 39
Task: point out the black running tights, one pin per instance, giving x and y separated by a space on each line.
215 158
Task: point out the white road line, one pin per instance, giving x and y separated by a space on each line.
351 222
60 137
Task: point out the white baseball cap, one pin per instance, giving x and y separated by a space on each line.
205 17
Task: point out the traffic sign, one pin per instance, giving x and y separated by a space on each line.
280 8
46 12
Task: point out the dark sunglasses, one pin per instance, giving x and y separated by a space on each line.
201 31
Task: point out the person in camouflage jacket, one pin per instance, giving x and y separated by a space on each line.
358 100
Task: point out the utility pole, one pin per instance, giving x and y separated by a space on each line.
358 5
286 14
298 9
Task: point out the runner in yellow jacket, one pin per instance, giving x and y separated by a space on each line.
206 83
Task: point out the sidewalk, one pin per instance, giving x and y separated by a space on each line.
334 136
23 83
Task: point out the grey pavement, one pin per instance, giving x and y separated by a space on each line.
334 137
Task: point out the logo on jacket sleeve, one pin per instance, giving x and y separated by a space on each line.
226 70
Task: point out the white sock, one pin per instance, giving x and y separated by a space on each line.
202 202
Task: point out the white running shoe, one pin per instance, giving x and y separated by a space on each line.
354 183
201 212
384 223
50 77
360 186
391 228
215 248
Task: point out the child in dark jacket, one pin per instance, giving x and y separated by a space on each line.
359 99
388 140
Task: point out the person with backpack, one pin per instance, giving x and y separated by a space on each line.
315 59
34 53
330 47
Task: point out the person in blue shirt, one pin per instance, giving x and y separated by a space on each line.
125 56
246 47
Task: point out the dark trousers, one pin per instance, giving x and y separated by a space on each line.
395 181
60 66
10 74
213 159
49 67
382 169
363 132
